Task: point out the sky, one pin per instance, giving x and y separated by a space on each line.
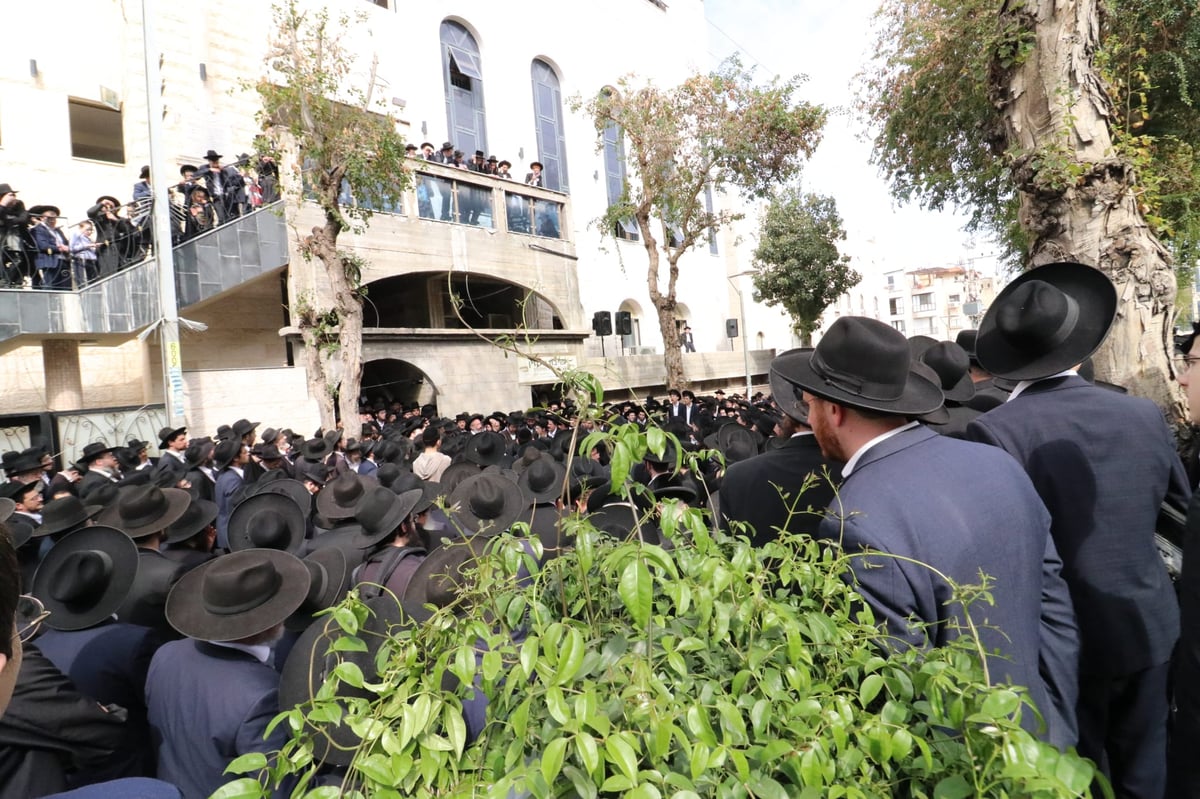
829 43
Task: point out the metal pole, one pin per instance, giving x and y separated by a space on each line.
745 341
160 209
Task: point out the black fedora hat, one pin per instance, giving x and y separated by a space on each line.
167 433
85 577
212 155
407 481
953 368
108 198
136 445
22 462
329 577
864 363
455 474
283 485
442 573
542 480
64 514
339 498
226 452
7 506
243 426
486 503
198 516
315 449
538 164
197 453
938 415
789 396
266 521
966 339
585 473
488 448
146 509
39 210
918 344
380 513
238 595
93 451
316 654
1046 321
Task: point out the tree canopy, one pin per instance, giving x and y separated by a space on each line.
715 131
317 107
798 265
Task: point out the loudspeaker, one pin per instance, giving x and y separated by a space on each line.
624 323
731 328
602 323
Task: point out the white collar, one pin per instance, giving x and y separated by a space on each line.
802 433
857 456
1024 384
260 652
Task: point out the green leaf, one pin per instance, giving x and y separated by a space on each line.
378 768
588 751
656 440
529 652
552 759
251 761
571 658
1000 704
348 643
644 791
953 787
244 788
621 754
349 673
456 728
635 590
869 689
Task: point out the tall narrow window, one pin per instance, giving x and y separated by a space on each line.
548 121
463 74
614 174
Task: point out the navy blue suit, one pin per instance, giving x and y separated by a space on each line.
228 483
963 509
108 662
1103 462
209 705
750 492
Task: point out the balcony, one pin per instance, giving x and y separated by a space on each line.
121 304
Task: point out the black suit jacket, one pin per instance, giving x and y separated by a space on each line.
751 489
1102 463
1183 767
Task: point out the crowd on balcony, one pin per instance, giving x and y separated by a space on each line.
39 250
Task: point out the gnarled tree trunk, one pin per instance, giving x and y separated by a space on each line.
1077 197
664 305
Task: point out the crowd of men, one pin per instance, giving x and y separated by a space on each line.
39 250
172 600
452 157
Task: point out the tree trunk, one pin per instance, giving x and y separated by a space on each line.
664 305
350 351
1077 198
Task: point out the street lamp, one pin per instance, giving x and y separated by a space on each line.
742 324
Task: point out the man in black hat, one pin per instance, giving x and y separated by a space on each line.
114 233
14 238
82 582
987 394
229 459
173 444
53 260
211 696
28 499
222 183
101 464
1103 462
390 533
768 492
534 176
910 493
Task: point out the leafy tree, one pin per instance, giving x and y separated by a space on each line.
317 108
797 260
1066 130
720 130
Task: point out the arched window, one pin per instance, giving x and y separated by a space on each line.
463 73
548 120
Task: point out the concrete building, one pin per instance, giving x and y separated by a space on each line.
483 75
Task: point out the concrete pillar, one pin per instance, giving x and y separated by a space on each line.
64 386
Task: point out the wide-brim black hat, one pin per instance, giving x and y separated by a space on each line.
212 155
455 474
285 486
787 395
143 510
341 495
199 515
167 433
93 451
226 452
63 514
407 481
381 512
953 368
238 595
38 210
7 507
966 339
542 480
315 449
938 415
116 203
329 577
863 363
313 658
488 448
486 503
243 426
1046 321
266 521
85 577
441 574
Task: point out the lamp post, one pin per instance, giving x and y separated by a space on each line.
742 325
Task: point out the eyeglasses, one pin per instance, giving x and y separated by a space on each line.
1184 362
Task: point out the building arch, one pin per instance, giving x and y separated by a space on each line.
424 300
394 380
634 309
549 124
462 73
